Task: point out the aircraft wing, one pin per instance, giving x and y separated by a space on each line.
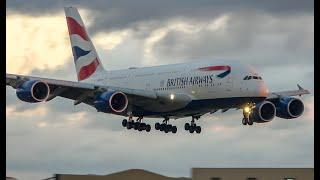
299 92
77 91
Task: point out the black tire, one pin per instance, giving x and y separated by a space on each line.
187 126
174 129
140 128
162 127
124 123
250 122
191 129
148 128
136 125
143 126
157 126
166 129
169 127
244 121
198 129
129 125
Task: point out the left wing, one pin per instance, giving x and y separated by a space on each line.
299 92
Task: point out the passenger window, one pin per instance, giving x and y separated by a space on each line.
255 77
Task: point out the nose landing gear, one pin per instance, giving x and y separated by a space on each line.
246 116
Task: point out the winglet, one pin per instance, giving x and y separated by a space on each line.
300 88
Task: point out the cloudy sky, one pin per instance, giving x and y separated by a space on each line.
276 37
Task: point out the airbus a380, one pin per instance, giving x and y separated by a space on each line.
168 91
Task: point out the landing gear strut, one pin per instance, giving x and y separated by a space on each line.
165 126
193 126
246 116
138 125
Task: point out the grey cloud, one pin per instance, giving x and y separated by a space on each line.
121 14
256 39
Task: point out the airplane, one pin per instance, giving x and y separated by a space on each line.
167 91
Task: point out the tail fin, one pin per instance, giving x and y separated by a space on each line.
86 59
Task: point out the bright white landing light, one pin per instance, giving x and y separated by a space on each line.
247 109
172 96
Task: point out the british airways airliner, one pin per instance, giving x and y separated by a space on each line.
168 91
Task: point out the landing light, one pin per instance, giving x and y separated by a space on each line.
247 109
172 96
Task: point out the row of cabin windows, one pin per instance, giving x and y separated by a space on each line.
183 87
252 77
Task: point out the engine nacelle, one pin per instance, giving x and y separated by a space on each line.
33 91
289 108
263 112
111 102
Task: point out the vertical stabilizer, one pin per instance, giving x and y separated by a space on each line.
86 59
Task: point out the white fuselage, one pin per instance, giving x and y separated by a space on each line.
186 78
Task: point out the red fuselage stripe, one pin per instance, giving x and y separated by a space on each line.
215 68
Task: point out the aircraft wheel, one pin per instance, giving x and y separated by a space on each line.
198 129
187 126
250 122
129 125
136 125
191 129
124 122
162 127
244 121
174 129
148 128
169 127
157 126
166 129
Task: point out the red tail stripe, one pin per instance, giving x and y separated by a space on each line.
75 28
88 70
215 68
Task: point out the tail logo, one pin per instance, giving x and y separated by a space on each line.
76 29
227 70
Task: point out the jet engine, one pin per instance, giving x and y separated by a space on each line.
33 91
289 107
111 101
263 112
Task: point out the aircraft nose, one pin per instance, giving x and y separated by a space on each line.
263 89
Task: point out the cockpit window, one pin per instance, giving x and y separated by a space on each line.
245 78
250 77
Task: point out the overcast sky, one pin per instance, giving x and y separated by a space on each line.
277 37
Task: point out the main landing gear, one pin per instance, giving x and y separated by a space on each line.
246 116
165 126
193 126
138 125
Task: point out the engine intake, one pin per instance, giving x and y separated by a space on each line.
33 91
263 112
289 108
111 101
